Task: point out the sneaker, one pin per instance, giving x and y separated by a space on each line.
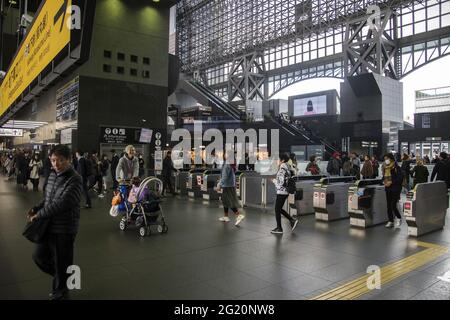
389 224
277 231
88 206
294 224
398 223
224 219
101 195
239 218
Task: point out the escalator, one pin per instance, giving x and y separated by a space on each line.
201 93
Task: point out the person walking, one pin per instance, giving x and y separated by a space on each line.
128 166
392 180
227 185
35 170
441 170
83 170
114 163
167 170
141 166
61 207
420 173
104 166
356 165
293 164
281 184
367 169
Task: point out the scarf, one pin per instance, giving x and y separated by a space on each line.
387 170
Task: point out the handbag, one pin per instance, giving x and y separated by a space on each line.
35 230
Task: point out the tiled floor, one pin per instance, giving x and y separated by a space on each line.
202 258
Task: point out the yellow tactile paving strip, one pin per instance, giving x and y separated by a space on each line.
358 287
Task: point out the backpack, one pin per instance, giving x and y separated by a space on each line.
314 170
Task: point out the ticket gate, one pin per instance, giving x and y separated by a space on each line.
181 179
240 185
259 192
330 198
300 203
194 182
209 181
425 208
367 203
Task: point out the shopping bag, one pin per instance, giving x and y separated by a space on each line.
35 230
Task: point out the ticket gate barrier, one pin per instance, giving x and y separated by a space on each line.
240 185
181 179
259 192
300 200
331 198
425 208
210 179
367 203
193 184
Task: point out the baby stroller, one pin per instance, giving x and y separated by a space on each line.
146 211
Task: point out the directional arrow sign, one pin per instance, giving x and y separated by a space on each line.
61 12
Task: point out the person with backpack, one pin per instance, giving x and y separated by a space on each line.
392 180
85 171
334 165
281 183
312 166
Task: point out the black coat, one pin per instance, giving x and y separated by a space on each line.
441 172
61 202
114 164
168 167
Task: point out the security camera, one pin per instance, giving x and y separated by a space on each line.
26 20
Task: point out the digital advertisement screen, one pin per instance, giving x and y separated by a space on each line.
146 136
310 106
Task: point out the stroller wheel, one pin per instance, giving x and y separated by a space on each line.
143 231
165 228
160 229
122 225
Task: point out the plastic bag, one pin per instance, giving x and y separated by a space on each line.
114 212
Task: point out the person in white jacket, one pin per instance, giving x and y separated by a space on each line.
128 166
35 168
281 183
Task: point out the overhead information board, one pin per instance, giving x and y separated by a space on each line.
48 35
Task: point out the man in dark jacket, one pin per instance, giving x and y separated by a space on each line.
167 173
441 170
114 163
61 206
334 165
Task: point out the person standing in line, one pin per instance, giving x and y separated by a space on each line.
406 171
356 165
312 166
114 162
375 167
367 169
392 179
420 173
61 206
441 170
83 171
35 169
167 170
281 184
335 165
227 184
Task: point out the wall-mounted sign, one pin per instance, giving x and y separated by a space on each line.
67 102
66 136
11 132
47 37
117 135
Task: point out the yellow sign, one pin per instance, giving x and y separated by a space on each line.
48 35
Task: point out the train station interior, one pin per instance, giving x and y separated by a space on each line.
195 150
